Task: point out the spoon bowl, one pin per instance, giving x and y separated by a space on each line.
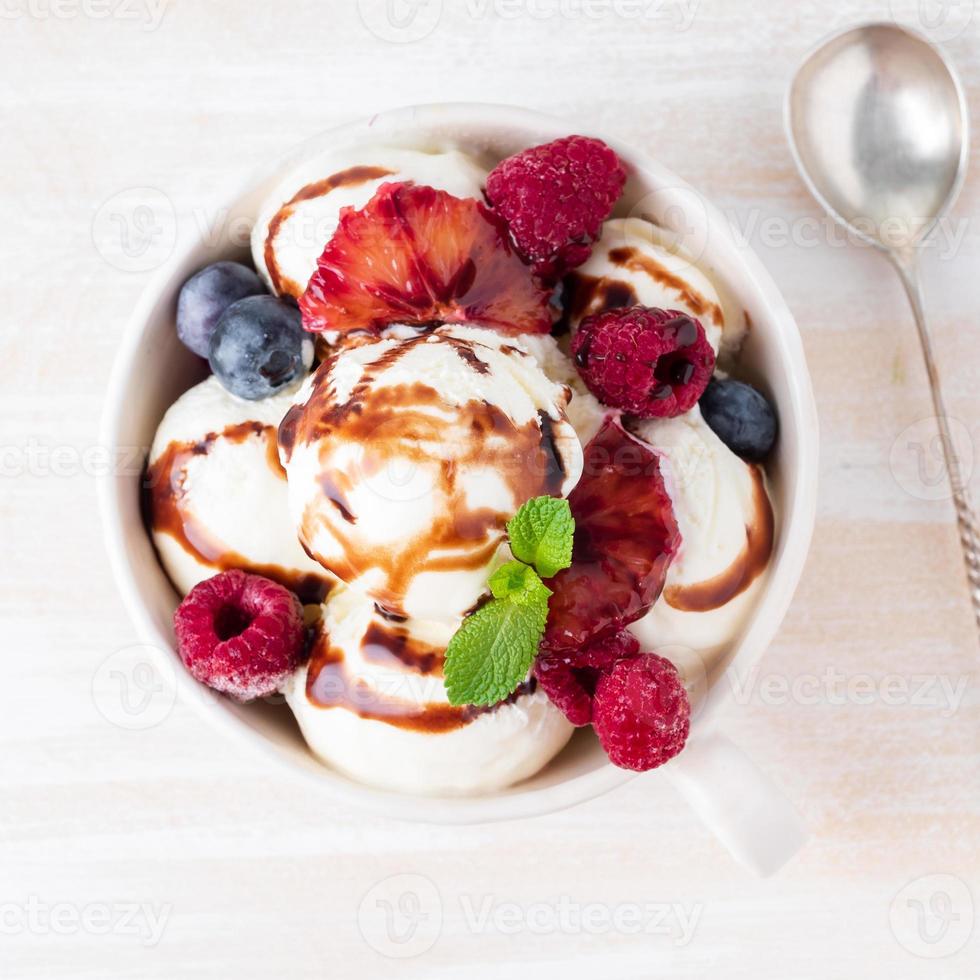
877 120
877 123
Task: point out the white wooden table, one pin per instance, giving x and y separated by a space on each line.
164 851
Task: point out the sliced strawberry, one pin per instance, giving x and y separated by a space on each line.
413 254
625 538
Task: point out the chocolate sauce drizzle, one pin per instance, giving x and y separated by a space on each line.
635 261
164 492
404 422
585 295
330 684
350 177
715 592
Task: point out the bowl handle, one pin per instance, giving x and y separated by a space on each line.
739 803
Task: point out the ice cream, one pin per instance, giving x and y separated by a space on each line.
407 455
301 214
633 265
371 703
726 524
584 410
376 492
216 493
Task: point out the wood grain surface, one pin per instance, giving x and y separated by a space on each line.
137 849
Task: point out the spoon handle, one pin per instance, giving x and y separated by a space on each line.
969 532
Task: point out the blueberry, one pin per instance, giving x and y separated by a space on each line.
741 417
206 295
259 347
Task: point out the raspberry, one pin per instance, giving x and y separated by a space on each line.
569 677
240 634
648 362
414 254
555 198
641 712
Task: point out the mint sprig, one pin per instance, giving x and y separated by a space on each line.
541 534
519 583
493 650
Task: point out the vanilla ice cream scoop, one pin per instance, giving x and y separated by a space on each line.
407 455
301 214
632 265
371 703
584 410
726 524
216 493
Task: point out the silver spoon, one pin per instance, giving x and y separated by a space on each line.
877 123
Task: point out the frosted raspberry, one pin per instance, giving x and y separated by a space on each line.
648 362
555 198
241 634
641 712
569 677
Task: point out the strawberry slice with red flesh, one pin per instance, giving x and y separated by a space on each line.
625 538
418 255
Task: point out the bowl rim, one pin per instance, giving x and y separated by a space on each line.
798 517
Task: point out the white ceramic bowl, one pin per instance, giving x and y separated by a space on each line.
153 368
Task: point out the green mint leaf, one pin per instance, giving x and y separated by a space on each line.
493 650
541 534
518 582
